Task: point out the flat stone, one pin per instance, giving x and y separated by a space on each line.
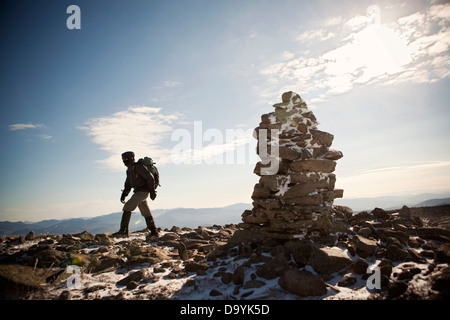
364 247
325 166
328 260
300 189
253 284
333 155
315 199
302 283
324 138
396 253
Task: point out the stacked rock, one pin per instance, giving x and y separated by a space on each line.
295 193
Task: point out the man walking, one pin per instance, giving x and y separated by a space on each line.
141 180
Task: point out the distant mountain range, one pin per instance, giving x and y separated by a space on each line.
192 218
181 217
394 202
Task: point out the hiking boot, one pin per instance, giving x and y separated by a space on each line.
151 227
123 232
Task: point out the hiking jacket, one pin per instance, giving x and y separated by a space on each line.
139 178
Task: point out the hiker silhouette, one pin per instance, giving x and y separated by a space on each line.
142 181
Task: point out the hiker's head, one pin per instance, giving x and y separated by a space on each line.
128 158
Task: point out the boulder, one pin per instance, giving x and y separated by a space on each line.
226 277
347 281
396 253
432 233
30 236
104 263
103 239
396 289
182 251
238 276
195 266
380 214
302 283
360 266
301 252
16 280
215 293
253 284
441 280
273 268
443 253
328 260
134 276
385 233
47 258
364 247
405 213
85 236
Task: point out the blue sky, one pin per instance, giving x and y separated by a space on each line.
143 75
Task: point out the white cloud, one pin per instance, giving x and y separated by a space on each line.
45 136
287 55
146 131
171 84
24 126
139 128
415 49
315 34
441 11
332 21
234 146
168 84
357 22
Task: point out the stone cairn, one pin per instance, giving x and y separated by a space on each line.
294 196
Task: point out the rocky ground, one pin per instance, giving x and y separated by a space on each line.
400 254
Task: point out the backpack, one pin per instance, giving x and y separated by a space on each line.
148 162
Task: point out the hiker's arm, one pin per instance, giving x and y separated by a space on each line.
127 188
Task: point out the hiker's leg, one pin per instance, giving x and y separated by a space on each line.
124 224
134 201
147 214
129 207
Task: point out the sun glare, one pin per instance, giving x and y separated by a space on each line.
383 51
375 51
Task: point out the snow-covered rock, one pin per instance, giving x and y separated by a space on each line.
217 263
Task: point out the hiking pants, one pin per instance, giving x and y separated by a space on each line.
139 199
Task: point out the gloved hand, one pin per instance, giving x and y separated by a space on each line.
152 195
122 197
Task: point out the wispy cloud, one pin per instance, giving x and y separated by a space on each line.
24 126
138 128
316 35
171 84
413 48
235 147
45 136
168 84
432 176
407 167
164 137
